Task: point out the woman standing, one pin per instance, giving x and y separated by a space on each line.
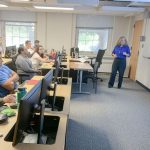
120 52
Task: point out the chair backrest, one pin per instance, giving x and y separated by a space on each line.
73 50
99 56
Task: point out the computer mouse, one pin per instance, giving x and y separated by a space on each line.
3 118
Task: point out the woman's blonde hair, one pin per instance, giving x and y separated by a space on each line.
119 41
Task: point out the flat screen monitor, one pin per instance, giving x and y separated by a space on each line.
45 84
10 50
57 66
25 113
14 50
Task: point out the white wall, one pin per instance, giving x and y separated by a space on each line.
59 31
143 68
17 16
55 30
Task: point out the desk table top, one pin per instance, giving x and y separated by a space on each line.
7 60
80 66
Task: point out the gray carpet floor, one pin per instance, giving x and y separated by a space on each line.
112 119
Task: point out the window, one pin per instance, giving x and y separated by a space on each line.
92 39
18 32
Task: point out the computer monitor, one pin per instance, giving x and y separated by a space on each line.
10 50
21 45
26 112
14 50
57 67
46 83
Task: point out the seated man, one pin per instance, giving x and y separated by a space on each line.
8 79
24 64
8 99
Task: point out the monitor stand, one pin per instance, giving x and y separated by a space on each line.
40 139
54 108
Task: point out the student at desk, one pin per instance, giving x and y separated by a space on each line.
8 79
53 54
24 63
38 57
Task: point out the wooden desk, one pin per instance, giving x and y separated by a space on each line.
74 59
60 138
61 91
46 66
58 145
80 67
7 60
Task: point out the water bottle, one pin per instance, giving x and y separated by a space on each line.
21 93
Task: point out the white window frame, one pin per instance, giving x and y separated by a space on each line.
110 29
25 22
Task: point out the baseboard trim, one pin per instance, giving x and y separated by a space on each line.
143 86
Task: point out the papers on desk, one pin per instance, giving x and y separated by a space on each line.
32 82
83 59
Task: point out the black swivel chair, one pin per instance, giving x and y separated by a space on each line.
96 65
73 50
22 76
98 59
93 75
14 57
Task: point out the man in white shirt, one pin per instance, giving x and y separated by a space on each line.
28 46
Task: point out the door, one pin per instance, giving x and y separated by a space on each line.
135 48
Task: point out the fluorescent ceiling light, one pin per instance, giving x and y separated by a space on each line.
2 5
53 8
126 9
144 1
20 0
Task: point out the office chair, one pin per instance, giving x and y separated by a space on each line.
14 57
98 59
93 75
22 77
73 51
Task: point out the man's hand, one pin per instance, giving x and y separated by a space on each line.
9 99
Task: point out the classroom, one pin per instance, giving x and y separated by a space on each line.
75 74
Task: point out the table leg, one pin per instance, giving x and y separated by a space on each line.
78 77
80 84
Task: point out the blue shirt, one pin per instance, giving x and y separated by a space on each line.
5 74
119 50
